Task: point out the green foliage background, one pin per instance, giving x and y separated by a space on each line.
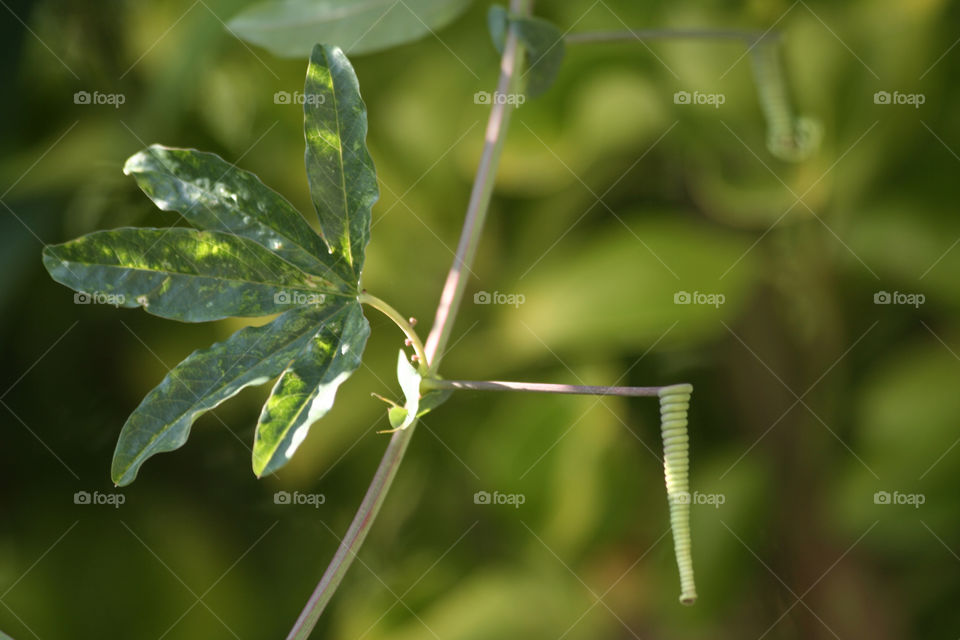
691 201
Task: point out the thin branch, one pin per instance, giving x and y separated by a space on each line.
539 387
354 537
456 281
446 311
668 34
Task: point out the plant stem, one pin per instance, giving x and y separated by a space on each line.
439 334
539 387
400 321
667 34
479 203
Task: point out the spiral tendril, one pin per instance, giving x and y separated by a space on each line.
789 137
674 402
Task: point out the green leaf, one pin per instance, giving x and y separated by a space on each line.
208 377
415 405
543 42
545 51
397 416
290 28
497 21
183 274
342 179
214 195
433 399
306 390
409 378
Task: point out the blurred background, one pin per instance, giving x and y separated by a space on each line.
824 417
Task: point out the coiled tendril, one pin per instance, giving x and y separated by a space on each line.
674 402
789 137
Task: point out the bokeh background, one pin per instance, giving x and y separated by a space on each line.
809 398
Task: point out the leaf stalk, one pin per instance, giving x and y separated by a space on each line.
388 310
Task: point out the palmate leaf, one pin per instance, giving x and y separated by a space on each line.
214 195
251 255
184 274
343 182
208 377
290 28
306 390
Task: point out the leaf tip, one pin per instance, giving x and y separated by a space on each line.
122 479
261 467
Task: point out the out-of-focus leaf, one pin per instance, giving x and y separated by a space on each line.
342 179
208 377
306 390
497 20
911 253
484 605
627 286
545 51
543 42
906 412
214 195
183 274
290 28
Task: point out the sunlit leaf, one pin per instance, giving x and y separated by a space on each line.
415 405
183 274
342 179
409 378
290 28
208 377
306 390
214 195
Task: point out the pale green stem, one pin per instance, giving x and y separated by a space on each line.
456 282
387 470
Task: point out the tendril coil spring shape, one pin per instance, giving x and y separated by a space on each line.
674 403
789 137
